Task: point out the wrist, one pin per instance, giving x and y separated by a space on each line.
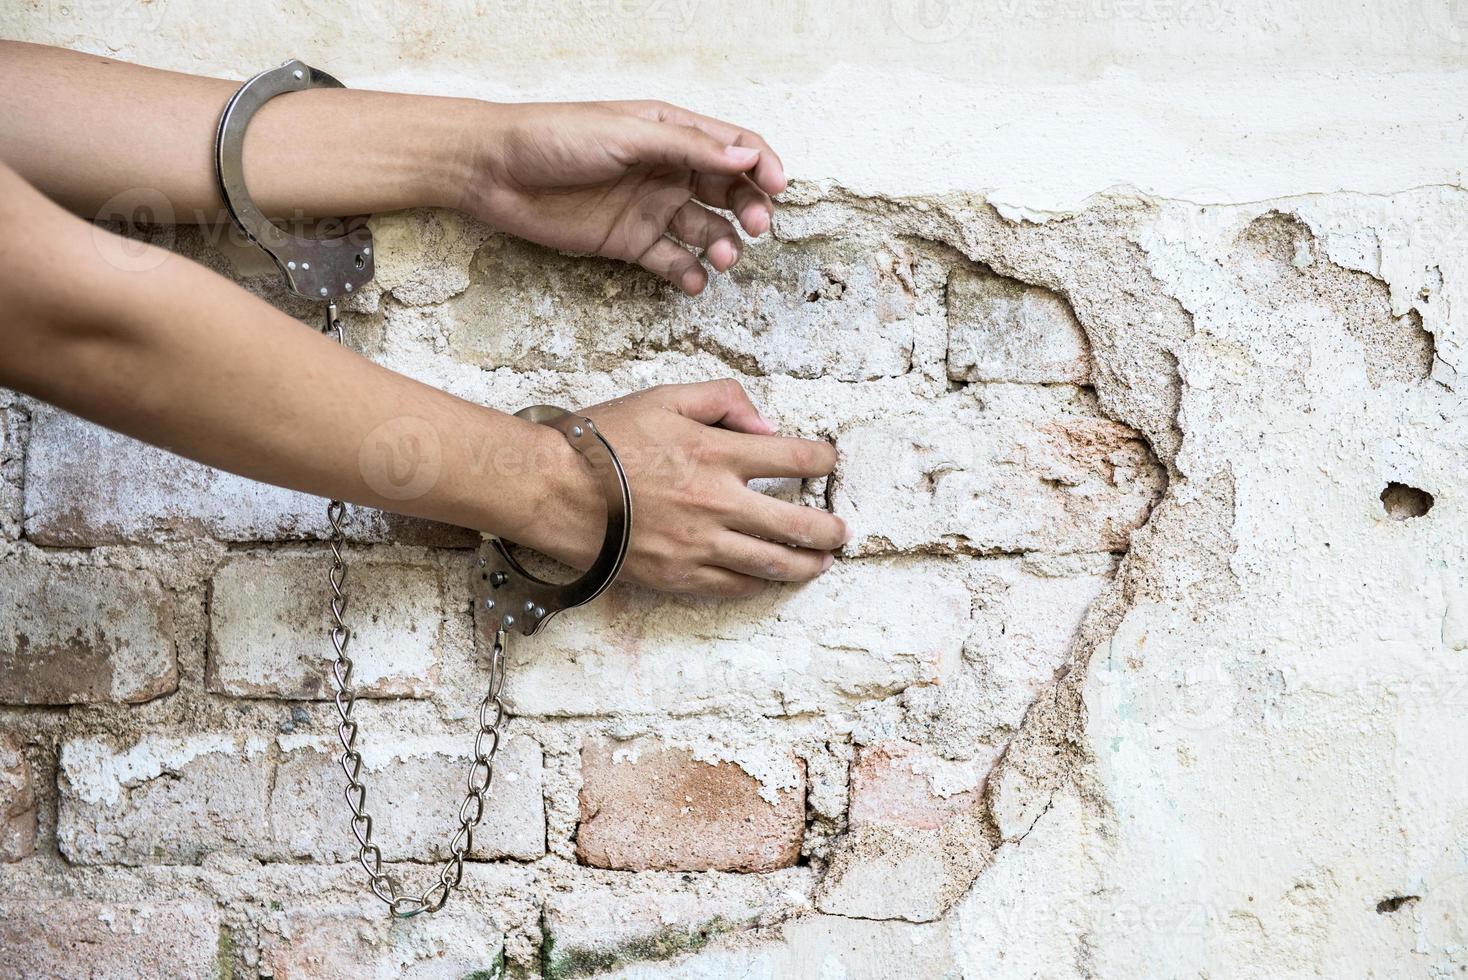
533 488
449 137
569 508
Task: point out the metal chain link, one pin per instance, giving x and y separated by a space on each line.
481 769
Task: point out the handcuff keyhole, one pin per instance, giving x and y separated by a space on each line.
361 262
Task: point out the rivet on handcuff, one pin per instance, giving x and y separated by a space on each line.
508 598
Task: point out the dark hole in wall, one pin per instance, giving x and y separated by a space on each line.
1404 503
1394 903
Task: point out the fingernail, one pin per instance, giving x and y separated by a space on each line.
828 561
742 154
850 533
769 426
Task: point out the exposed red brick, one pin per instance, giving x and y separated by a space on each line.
82 635
646 806
17 802
363 942
72 939
894 784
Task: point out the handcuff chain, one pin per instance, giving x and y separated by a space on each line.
481 769
328 268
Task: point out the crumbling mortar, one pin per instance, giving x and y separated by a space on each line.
1069 762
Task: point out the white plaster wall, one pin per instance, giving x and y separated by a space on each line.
1036 103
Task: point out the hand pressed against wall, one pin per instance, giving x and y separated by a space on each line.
689 451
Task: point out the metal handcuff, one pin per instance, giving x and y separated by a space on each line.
509 599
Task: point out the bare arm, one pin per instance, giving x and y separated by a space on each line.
620 179
247 388
83 129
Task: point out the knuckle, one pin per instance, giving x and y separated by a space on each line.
802 456
731 389
705 451
800 530
780 569
686 537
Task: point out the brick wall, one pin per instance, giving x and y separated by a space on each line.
676 771
1136 641
1150 658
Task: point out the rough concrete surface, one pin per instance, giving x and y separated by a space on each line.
1149 657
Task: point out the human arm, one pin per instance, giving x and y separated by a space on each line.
162 349
619 179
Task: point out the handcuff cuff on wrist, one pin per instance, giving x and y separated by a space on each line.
507 597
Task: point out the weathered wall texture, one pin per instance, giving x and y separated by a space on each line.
1150 657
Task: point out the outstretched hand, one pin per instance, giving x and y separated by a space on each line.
634 181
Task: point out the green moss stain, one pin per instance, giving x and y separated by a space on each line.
581 962
495 972
224 954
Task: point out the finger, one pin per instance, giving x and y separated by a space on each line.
769 173
768 560
676 264
640 227
698 226
750 205
722 583
685 147
758 456
723 403
786 523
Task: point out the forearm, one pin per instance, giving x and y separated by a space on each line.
84 129
180 357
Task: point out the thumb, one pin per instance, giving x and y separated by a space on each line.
723 403
666 144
